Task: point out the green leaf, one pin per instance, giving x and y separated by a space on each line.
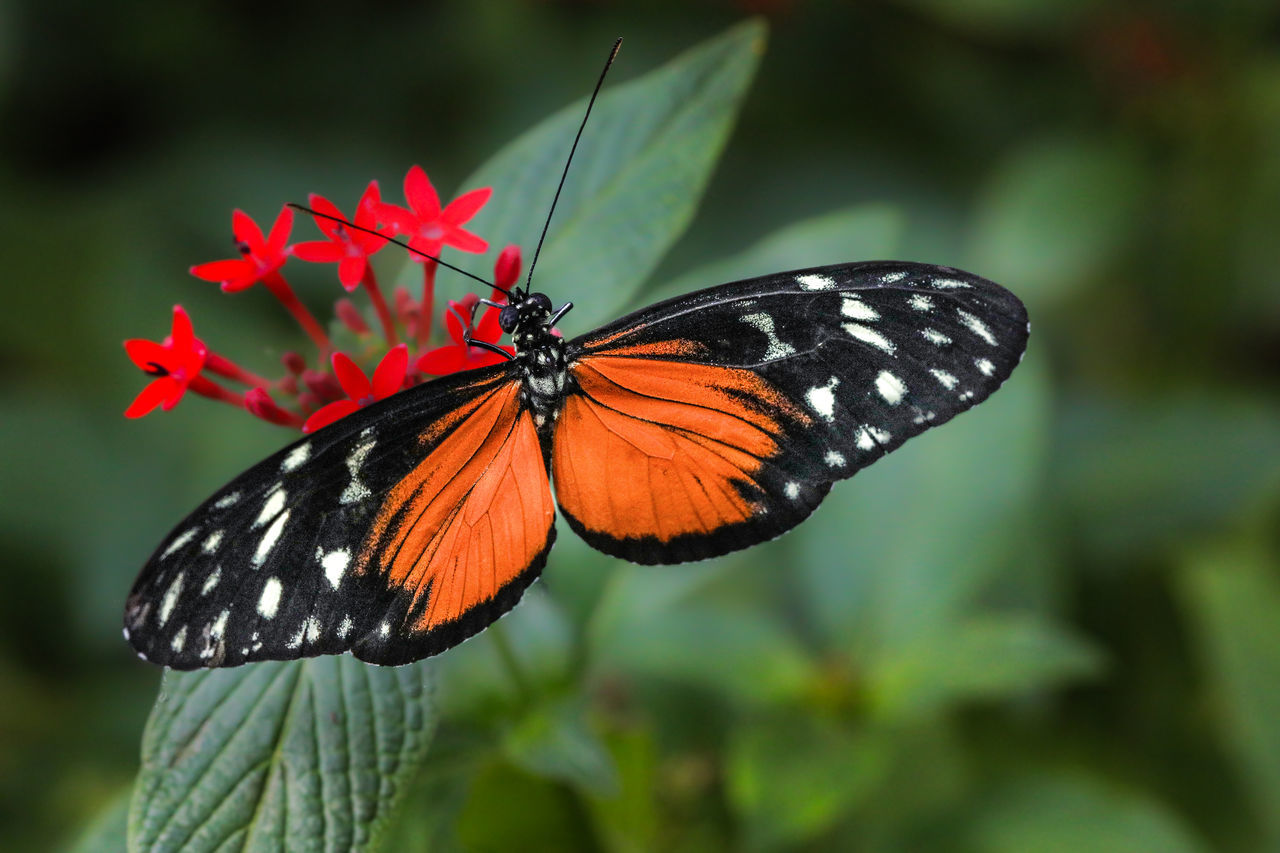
1234 601
862 233
793 776
628 821
1054 213
1067 813
637 177
308 754
555 740
983 657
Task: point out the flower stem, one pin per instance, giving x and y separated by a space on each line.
228 369
427 310
208 388
370 282
281 290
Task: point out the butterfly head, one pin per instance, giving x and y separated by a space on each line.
525 311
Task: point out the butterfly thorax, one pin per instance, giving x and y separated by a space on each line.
541 359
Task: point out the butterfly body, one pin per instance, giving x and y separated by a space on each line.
691 428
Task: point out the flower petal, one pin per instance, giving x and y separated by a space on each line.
487 329
389 376
441 361
465 241
144 353
352 379
466 206
148 398
246 231
328 414
279 234
401 220
183 335
420 194
320 204
320 251
506 270
233 269
351 271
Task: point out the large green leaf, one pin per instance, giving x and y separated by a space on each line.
298 755
863 233
637 177
1234 600
982 657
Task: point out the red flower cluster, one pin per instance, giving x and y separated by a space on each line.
312 397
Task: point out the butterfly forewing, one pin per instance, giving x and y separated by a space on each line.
395 533
710 422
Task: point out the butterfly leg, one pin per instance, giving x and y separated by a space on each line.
472 342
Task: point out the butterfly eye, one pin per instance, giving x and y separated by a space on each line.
542 301
508 318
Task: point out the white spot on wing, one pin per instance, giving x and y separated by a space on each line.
855 309
864 440
950 283
935 337
814 281
891 388
891 277
179 639
920 302
868 335
835 459
170 599
777 348
791 490
269 539
881 436
273 506
345 627
270 599
948 380
822 399
212 541
335 566
976 326
385 629
296 457
211 581
985 366
226 500
182 539
356 490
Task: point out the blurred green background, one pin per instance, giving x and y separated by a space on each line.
1052 625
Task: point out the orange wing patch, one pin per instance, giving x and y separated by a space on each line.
656 448
470 517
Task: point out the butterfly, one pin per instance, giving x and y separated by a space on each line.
695 427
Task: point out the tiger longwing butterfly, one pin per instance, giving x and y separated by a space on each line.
697 426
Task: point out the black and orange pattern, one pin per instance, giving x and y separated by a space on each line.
692 428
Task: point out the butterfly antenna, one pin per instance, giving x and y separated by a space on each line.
400 243
613 52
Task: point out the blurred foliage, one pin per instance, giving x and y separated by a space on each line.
1050 625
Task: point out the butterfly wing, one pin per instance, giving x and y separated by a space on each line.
395 533
713 421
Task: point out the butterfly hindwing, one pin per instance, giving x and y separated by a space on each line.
394 533
713 421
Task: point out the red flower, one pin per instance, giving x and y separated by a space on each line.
347 247
388 378
174 364
260 258
456 356
429 228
